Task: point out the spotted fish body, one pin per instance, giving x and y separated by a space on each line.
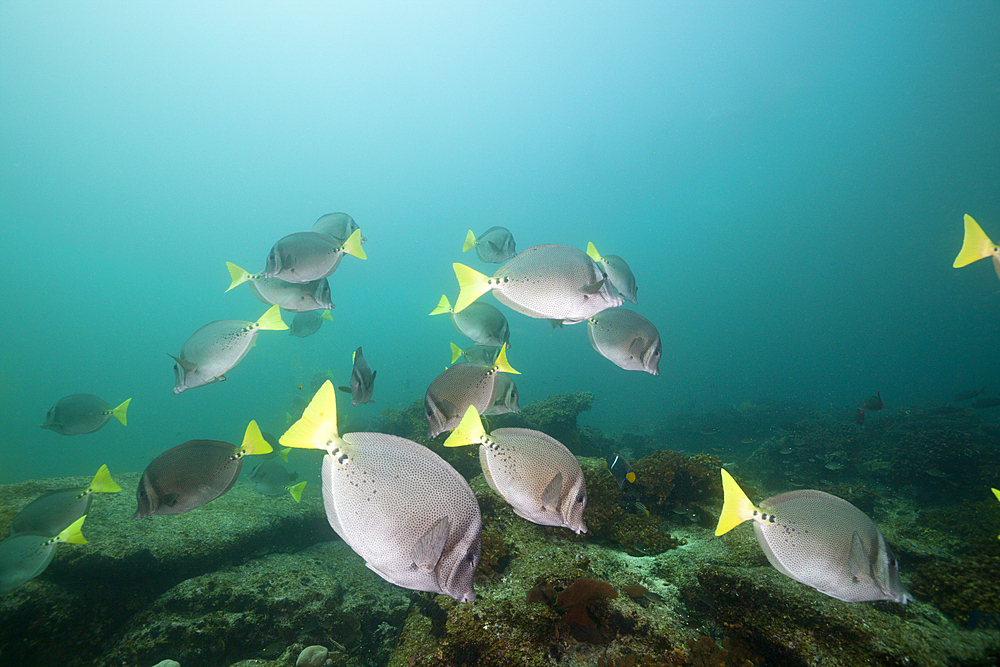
535 473
819 540
398 505
213 350
627 339
293 297
552 282
453 391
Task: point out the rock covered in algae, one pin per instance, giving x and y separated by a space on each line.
312 656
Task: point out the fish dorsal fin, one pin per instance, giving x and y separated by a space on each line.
238 275
501 362
456 352
860 564
188 366
253 441
736 507
471 283
552 493
317 428
102 482
428 549
444 306
593 288
296 491
469 431
975 246
592 253
470 242
271 320
352 246
119 412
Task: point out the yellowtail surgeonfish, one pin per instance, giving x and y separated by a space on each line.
401 507
495 245
481 322
24 557
618 272
478 354
553 282
194 473
269 478
53 512
293 297
213 350
532 471
82 413
306 324
819 540
362 379
340 226
507 399
306 256
976 245
626 339
459 386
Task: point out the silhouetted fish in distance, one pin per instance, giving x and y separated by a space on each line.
872 403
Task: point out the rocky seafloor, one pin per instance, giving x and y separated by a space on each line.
249 580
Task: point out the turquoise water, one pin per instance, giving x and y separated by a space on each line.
786 180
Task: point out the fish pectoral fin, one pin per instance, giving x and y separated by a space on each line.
188 366
494 247
428 549
860 564
637 347
593 288
169 500
347 389
552 493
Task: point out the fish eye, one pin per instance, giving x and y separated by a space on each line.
175 367
580 498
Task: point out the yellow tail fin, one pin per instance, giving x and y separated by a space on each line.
469 431
283 453
444 306
975 246
238 275
119 412
501 361
72 534
327 316
317 428
254 442
472 285
456 352
102 482
271 320
470 241
736 507
296 491
352 246
592 252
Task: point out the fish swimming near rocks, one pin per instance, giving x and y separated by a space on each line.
306 324
859 417
819 540
269 478
618 273
362 379
977 245
481 322
452 392
24 557
532 471
553 282
53 512
626 339
194 473
78 414
969 394
216 348
872 403
507 399
986 403
620 469
411 516
495 245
